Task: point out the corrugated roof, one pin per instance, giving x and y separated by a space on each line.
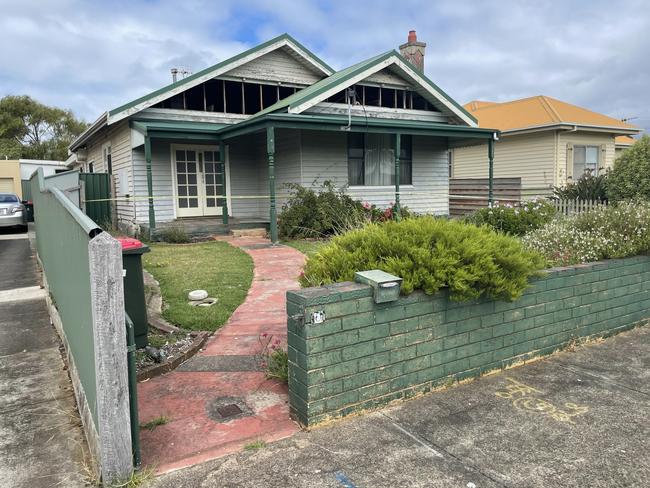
538 111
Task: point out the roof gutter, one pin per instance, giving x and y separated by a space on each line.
96 126
573 127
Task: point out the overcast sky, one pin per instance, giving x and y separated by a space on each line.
94 56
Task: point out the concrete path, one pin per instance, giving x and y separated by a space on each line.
476 435
220 400
41 441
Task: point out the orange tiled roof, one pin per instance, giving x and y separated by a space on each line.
625 140
537 111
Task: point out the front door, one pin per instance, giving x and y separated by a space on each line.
200 181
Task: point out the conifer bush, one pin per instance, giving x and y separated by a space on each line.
430 253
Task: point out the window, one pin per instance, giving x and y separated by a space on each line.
107 158
371 160
585 160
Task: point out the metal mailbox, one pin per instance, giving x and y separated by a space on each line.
386 286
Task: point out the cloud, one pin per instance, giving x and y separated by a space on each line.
94 56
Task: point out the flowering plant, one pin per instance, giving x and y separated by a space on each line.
515 219
606 232
274 358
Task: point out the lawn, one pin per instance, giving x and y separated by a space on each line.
223 270
308 247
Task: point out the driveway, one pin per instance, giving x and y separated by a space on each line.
575 419
41 441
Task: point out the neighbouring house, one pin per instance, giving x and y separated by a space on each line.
15 174
222 142
544 141
621 144
10 177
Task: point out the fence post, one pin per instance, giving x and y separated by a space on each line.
107 304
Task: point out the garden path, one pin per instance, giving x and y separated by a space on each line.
198 397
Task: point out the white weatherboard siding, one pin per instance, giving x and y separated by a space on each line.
278 66
119 136
306 157
529 156
161 170
324 157
248 175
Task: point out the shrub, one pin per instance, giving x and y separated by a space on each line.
630 177
607 232
587 187
514 219
173 234
328 211
308 213
429 253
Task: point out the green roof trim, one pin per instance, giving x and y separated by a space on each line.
222 64
145 126
340 77
321 86
435 87
359 124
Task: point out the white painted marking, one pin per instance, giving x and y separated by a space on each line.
419 441
11 237
19 294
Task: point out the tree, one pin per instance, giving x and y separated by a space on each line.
29 129
630 177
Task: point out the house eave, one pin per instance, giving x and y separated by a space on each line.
571 126
95 127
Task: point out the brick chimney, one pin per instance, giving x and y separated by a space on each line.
413 50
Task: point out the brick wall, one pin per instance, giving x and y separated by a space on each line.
365 354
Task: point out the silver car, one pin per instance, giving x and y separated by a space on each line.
12 211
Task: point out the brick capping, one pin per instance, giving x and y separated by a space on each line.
364 354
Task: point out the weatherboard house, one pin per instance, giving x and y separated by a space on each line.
222 143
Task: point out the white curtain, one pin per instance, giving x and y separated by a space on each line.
379 160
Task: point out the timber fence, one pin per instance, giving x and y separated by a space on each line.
569 207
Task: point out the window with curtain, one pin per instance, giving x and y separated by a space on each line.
371 160
585 160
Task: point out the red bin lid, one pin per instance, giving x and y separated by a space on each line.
129 243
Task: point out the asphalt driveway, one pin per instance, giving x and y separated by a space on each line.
578 419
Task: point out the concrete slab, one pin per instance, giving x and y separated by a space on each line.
538 425
41 440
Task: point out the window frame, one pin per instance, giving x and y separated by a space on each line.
107 158
408 159
576 147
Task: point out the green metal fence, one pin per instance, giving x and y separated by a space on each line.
96 195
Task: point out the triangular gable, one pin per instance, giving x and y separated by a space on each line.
281 65
318 92
284 42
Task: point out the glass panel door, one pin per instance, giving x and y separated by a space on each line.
187 183
214 183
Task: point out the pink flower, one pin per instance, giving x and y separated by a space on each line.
366 205
263 335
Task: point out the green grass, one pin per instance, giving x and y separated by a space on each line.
308 247
252 446
223 270
153 423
